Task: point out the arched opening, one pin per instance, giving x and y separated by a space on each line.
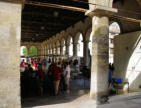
80 46
33 51
23 51
71 48
114 29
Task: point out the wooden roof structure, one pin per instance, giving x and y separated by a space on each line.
40 21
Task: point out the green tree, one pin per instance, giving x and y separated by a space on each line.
25 51
33 51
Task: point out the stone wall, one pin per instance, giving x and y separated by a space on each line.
125 48
10 36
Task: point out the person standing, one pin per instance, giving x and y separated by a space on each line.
67 77
56 77
62 81
40 78
22 66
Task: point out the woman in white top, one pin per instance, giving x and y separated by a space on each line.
67 76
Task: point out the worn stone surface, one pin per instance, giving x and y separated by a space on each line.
127 59
100 51
10 35
67 48
75 48
86 53
82 100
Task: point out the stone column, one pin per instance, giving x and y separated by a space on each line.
44 51
56 51
86 53
41 49
61 50
100 57
67 48
10 36
75 48
28 50
38 51
47 51
100 50
52 51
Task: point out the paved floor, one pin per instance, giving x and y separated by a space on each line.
132 100
79 98
79 87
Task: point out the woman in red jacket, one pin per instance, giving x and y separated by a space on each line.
56 77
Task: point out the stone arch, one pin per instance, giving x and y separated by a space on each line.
57 43
58 46
135 8
71 46
117 23
53 47
114 29
42 49
76 37
80 45
68 39
62 41
50 48
79 26
88 34
69 32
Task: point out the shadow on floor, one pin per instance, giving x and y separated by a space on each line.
49 100
79 87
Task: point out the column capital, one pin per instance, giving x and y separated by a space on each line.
101 11
75 43
86 41
61 46
67 44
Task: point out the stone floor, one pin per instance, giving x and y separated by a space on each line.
79 87
79 98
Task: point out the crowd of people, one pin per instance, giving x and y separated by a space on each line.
40 77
